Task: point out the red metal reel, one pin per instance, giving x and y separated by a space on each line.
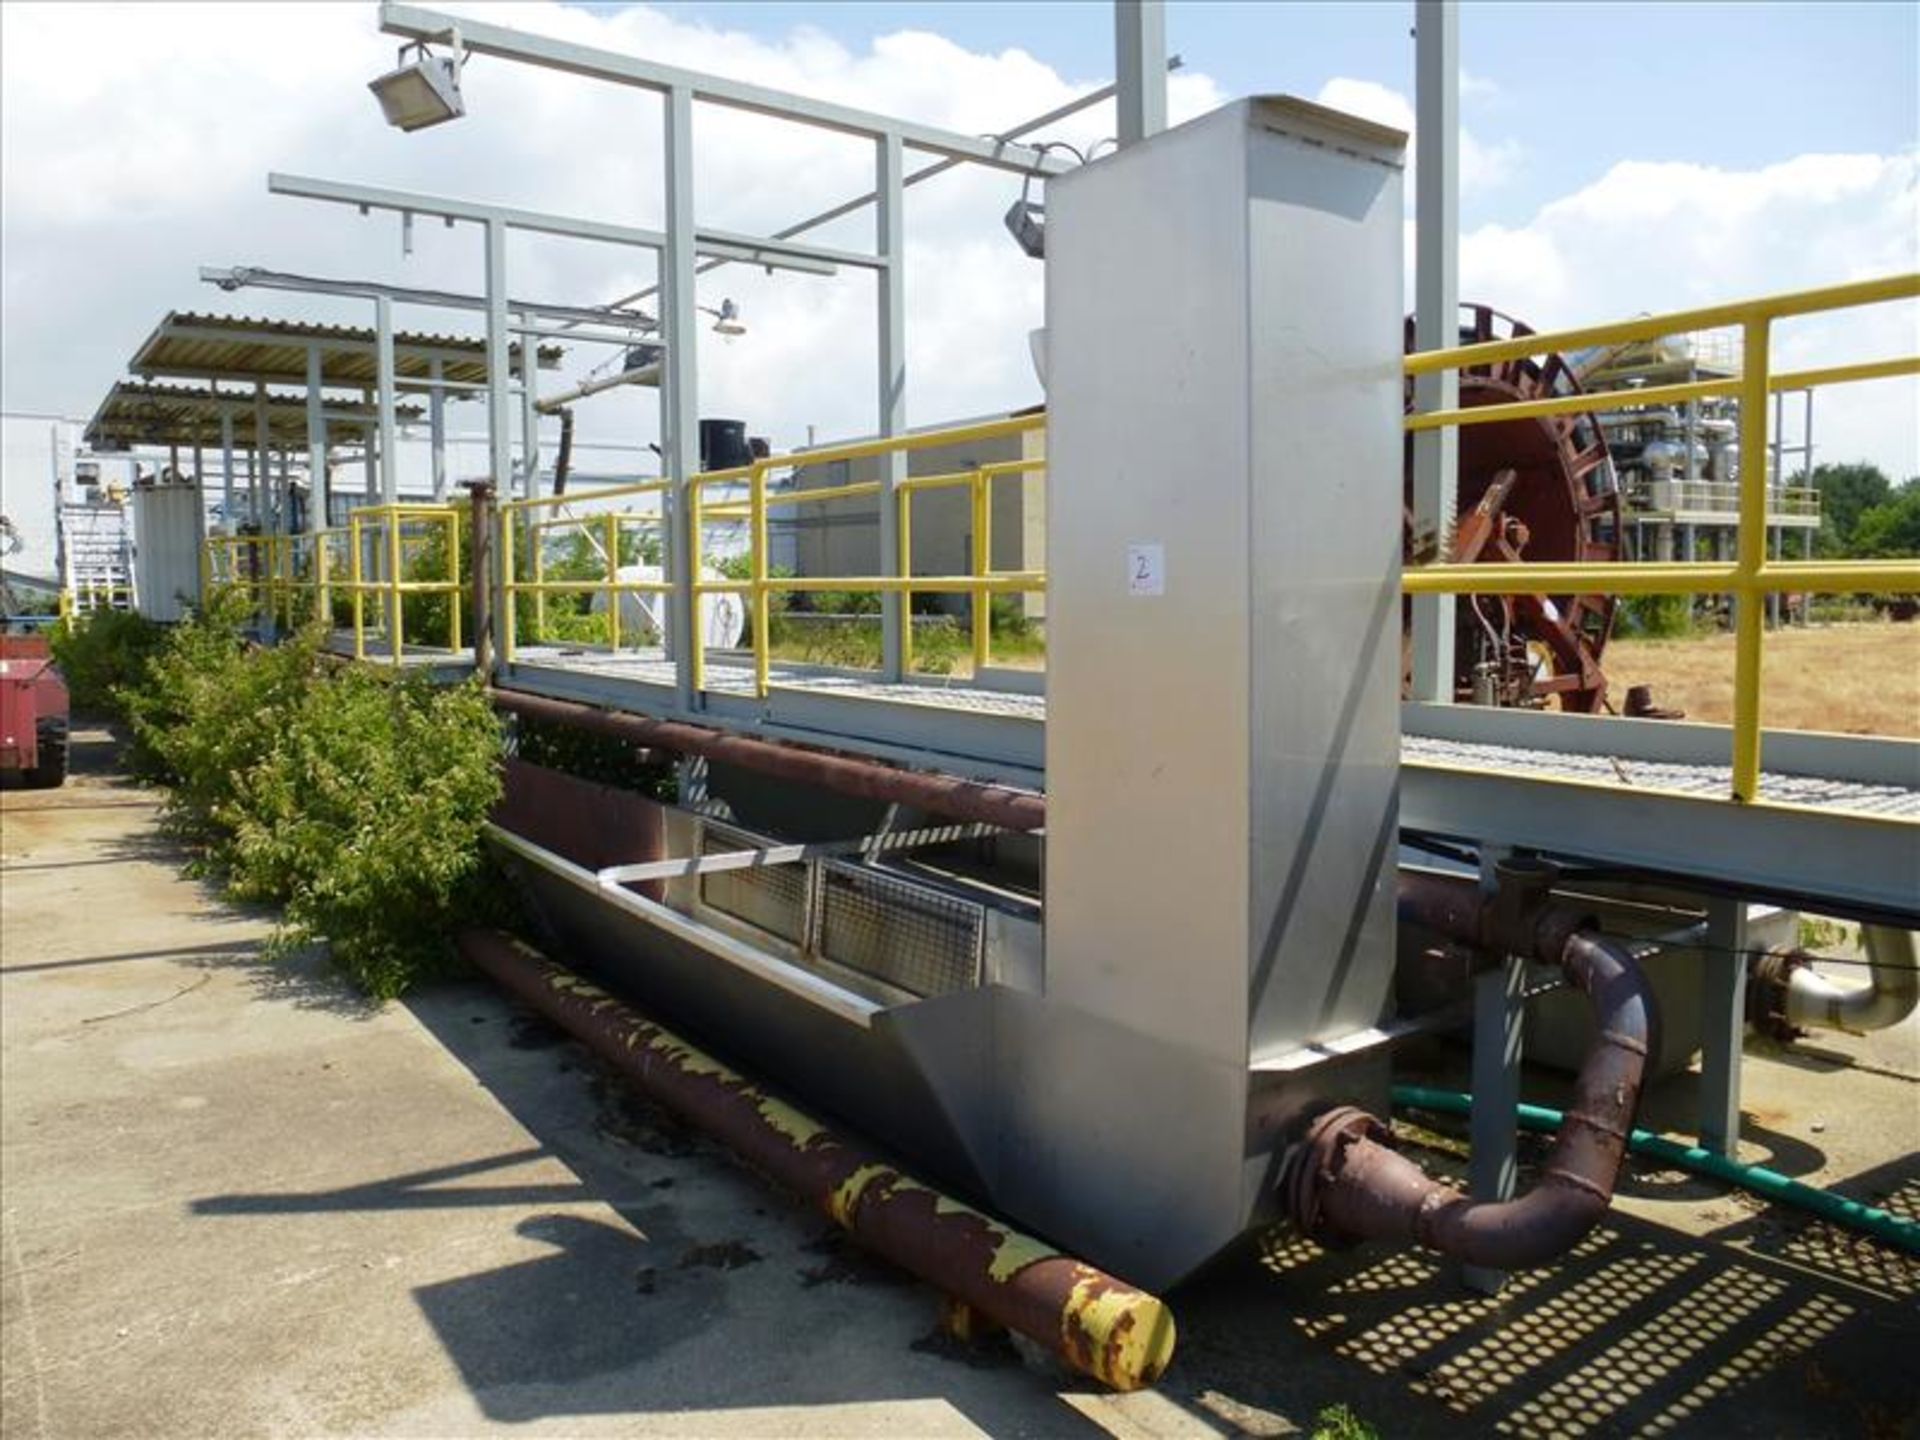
1554 497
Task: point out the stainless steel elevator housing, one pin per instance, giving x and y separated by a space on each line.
1109 1043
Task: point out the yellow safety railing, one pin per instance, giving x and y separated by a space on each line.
294 578
266 566
1751 576
530 522
377 541
981 582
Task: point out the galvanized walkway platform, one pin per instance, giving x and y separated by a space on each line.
1839 816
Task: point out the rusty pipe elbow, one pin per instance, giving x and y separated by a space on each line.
1348 1184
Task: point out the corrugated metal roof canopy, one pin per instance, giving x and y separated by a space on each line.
228 347
137 414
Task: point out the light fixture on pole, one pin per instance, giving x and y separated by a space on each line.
424 91
726 319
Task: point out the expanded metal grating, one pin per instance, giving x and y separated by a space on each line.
771 898
907 935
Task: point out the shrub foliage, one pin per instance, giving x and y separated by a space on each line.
100 653
353 799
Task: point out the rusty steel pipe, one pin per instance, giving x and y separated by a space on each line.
1347 1183
1102 1327
864 779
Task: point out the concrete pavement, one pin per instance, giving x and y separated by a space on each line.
236 1200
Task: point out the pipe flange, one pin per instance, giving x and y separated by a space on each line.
1769 984
1523 888
1317 1158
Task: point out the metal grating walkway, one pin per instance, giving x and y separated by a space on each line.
1626 774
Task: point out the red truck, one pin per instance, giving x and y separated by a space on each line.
33 712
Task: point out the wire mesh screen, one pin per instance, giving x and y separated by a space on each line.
917 939
773 898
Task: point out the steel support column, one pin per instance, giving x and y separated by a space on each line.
1723 1024
389 432
529 417
680 449
1140 68
499 437
257 477
316 447
1436 453
1499 1011
437 430
891 303
226 469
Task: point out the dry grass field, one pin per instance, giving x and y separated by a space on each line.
1856 679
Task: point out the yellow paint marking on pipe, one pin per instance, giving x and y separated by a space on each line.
846 1196
1123 1337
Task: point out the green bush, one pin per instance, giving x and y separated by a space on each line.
1656 617
352 798
101 652
366 819
210 707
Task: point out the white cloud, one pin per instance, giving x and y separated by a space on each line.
135 140
1483 166
1668 236
124 173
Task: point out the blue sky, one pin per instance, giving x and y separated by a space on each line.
1735 85
1620 159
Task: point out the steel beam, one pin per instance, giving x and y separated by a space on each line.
925 172
376 197
1436 478
1791 853
501 41
235 277
1140 68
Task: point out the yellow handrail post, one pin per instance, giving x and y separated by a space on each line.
396 600
1749 613
758 597
323 581
455 594
982 562
612 542
904 498
536 543
698 665
509 588
356 572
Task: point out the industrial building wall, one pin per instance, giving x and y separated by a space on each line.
842 537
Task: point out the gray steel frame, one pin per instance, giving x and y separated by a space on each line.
680 245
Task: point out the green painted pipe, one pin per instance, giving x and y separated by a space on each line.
1869 1220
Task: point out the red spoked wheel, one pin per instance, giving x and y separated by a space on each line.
1540 489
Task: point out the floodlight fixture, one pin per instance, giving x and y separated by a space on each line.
424 91
726 319
1026 221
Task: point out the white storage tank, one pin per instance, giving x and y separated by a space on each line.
169 525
